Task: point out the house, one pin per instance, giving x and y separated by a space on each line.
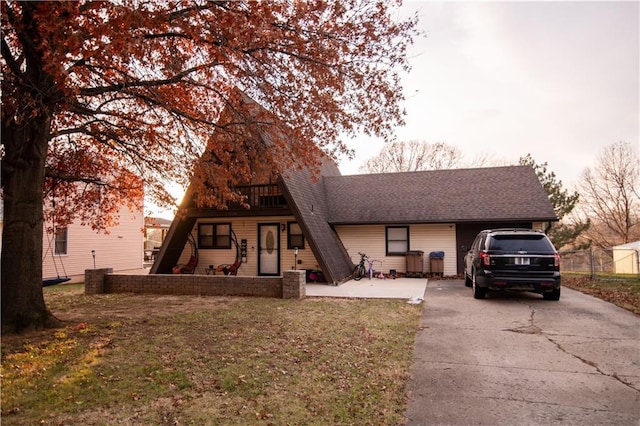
321 223
155 231
626 258
71 250
331 219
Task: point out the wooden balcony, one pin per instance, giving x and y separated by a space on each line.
263 200
262 196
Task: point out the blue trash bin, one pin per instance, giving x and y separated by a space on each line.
436 263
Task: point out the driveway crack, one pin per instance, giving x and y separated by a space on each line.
538 330
592 364
547 403
532 328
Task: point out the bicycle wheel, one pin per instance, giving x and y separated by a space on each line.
358 272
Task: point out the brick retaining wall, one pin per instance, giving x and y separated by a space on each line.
94 280
290 285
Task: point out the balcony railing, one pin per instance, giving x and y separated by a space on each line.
262 196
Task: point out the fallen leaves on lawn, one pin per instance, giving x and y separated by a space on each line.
623 292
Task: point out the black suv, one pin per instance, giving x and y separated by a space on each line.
513 259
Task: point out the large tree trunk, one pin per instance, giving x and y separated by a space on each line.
23 169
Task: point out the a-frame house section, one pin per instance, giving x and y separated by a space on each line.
284 212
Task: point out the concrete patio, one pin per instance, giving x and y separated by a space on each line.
400 288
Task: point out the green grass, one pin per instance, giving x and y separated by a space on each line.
64 288
190 360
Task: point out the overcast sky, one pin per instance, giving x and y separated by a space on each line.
557 80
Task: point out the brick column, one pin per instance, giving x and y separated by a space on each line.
94 280
294 285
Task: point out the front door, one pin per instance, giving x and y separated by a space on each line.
269 249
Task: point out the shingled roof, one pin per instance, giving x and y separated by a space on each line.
496 194
308 200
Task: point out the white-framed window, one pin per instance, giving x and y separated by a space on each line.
61 240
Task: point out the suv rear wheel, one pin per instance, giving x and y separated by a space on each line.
478 292
552 295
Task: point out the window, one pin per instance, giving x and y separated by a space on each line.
214 235
61 242
514 243
397 240
294 236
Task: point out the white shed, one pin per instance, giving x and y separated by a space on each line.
626 258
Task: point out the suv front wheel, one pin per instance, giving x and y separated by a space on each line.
478 292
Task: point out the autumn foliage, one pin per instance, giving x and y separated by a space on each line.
138 86
102 100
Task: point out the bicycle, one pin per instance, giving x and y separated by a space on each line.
360 270
370 270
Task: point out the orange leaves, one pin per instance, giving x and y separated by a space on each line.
138 89
81 184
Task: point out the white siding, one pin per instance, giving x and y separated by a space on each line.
121 249
625 260
247 228
370 239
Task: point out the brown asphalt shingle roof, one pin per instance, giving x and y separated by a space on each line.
494 194
459 195
308 201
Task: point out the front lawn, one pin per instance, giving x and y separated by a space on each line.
125 359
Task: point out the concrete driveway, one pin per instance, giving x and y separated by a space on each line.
515 359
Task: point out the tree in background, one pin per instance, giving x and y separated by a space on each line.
101 98
413 156
566 231
610 196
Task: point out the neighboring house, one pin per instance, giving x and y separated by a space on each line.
332 219
626 258
71 250
295 221
155 231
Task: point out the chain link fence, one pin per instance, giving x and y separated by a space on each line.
596 261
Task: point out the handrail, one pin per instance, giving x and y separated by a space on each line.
262 195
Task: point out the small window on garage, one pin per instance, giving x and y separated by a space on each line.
397 240
214 235
294 236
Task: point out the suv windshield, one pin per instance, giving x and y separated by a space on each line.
515 243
